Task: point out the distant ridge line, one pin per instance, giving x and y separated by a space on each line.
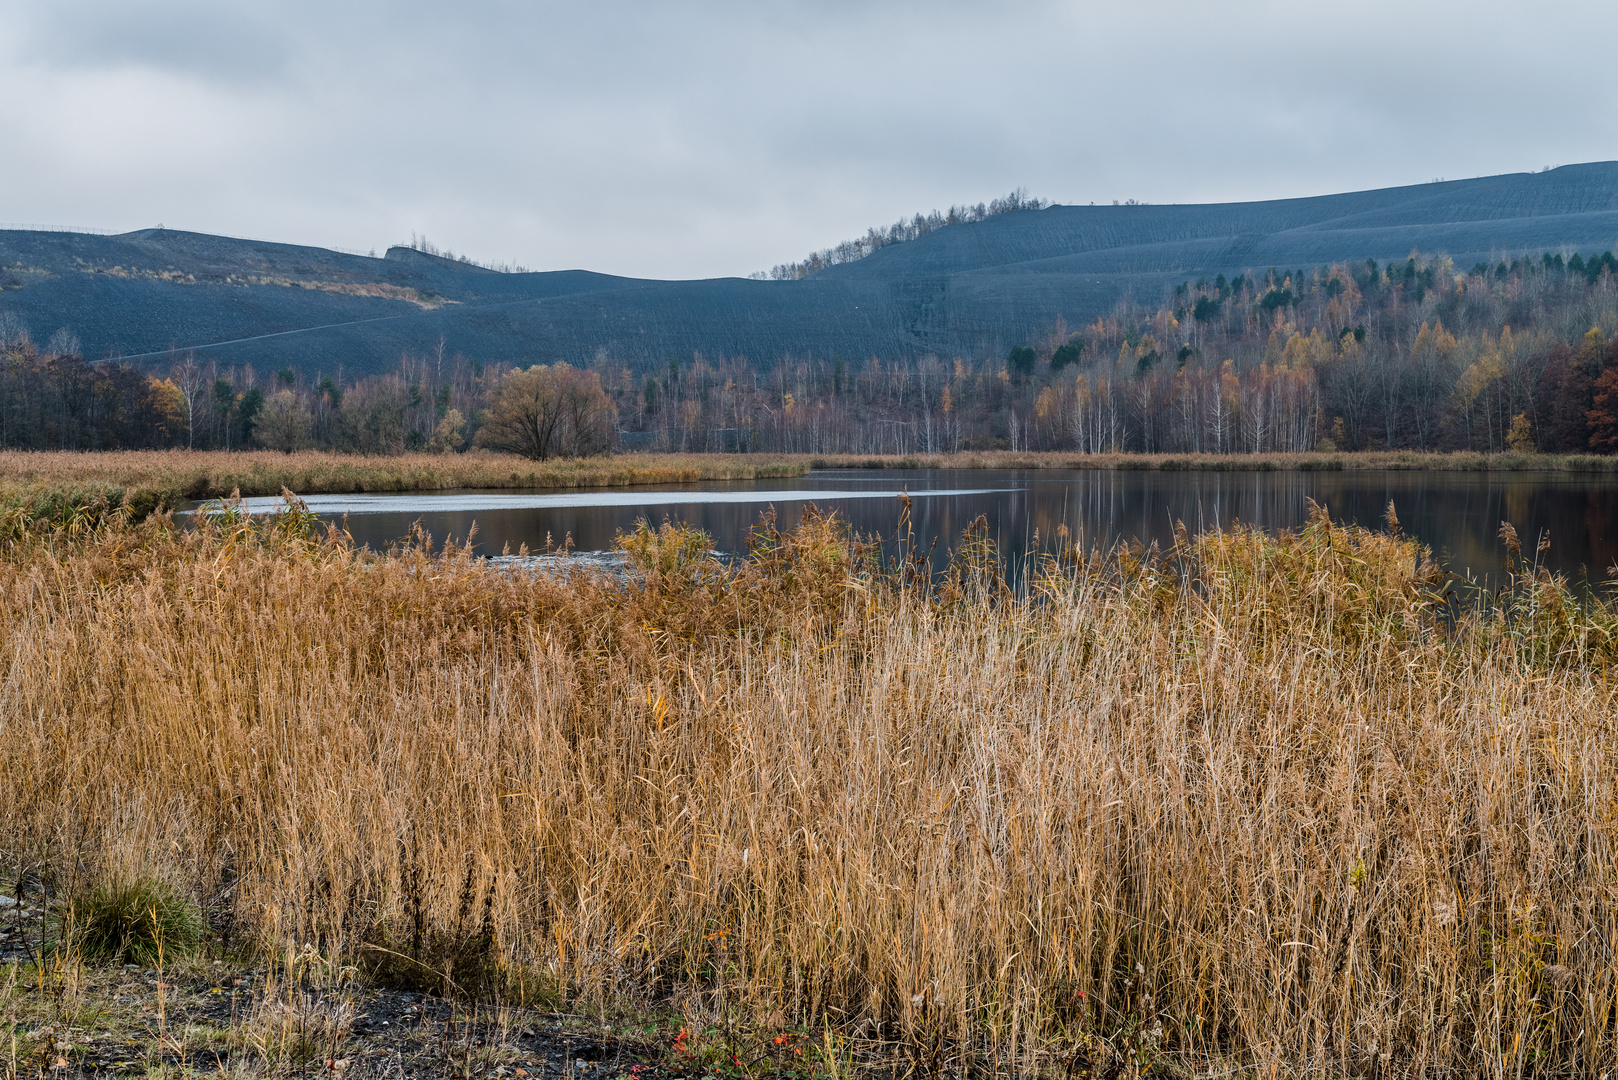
91 230
34 226
971 290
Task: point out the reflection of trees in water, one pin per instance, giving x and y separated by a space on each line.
1600 512
1457 514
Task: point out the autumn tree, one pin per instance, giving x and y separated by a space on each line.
550 411
1603 415
1570 381
1428 379
449 436
1520 439
284 423
167 405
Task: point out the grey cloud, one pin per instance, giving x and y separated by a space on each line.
212 41
720 137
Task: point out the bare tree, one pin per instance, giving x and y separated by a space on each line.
545 412
284 423
589 413
190 378
64 343
13 331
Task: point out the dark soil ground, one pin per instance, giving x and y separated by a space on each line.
217 1013
214 1014
211 1014
213 1018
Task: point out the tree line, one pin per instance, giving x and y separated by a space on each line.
901 231
1518 354
1514 355
51 398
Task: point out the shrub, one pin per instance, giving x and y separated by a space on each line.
135 920
670 550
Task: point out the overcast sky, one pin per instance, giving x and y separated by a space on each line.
709 138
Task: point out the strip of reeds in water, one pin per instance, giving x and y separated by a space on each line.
55 484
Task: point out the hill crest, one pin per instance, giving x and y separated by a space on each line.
970 289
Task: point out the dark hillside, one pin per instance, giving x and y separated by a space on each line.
969 289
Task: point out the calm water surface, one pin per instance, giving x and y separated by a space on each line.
1457 514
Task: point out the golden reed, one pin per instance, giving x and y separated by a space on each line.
155 479
1252 803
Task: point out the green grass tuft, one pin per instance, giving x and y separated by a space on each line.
139 921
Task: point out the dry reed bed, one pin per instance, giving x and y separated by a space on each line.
1253 804
163 478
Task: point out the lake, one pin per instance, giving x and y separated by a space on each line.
1457 513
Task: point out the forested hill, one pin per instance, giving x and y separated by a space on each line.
972 289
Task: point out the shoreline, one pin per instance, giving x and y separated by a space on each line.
63 485
1345 461
56 485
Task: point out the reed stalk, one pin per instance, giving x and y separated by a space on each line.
1256 802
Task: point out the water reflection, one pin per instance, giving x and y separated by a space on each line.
469 502
1458 514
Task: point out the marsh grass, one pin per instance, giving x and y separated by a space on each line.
1252 803
62 487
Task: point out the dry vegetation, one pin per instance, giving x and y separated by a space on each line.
59 486
157 479
1253 807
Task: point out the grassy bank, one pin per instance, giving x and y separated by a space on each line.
1253 809
1405 460
52 484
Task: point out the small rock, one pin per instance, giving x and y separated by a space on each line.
8 902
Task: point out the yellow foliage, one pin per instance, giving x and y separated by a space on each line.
1230 385
1305 351
168 401
1487 369
1521 436
1045 404
1275 347
1594 347
1432 342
